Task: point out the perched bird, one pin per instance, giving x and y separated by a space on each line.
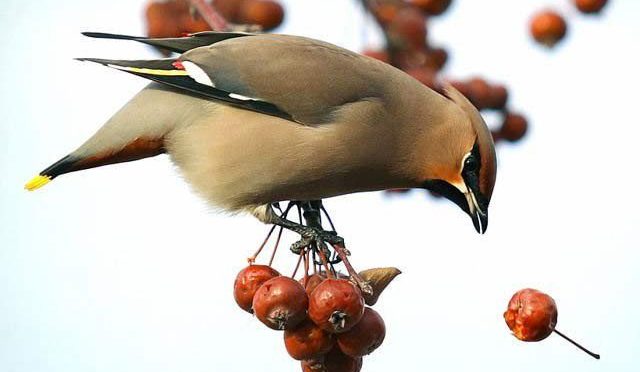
254 119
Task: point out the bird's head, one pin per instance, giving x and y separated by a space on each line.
469 173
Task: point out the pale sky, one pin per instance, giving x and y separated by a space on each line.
123 269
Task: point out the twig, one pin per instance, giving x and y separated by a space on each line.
210 15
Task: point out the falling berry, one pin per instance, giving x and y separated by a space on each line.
532 316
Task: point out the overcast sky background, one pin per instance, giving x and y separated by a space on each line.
123 269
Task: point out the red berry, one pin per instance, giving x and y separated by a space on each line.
247 283
313 365
385 13
312 282
590 6
336 305
337 361
364 337
425 75
160 20
432 7
495 135
531 315
334 361
280 303
380 55
229 8
462 86
478 91
437 58
548 27
265 13
189 25
498 96
408 29
307 341
514 127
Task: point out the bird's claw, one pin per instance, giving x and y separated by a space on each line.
312 235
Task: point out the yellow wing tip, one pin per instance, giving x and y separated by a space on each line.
37 182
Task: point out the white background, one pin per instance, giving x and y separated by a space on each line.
123 269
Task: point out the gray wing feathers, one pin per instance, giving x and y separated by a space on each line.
178 44
310 80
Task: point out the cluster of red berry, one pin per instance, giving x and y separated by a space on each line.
325 321
548 27
405 24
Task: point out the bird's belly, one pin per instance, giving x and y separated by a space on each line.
235 161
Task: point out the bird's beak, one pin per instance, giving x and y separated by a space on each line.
467 198
478 214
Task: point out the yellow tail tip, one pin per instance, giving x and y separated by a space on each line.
37 182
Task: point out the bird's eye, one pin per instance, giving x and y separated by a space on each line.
471 163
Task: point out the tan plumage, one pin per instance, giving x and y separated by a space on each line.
303 120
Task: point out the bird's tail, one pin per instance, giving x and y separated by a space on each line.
137 149
60 167
136 131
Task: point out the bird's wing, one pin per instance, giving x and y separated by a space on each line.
171 72
296 78
174 44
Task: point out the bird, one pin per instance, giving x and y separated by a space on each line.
251 120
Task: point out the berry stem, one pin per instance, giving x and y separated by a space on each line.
306 266
275 247
208 12
323 258
597 356
253 257
343 253
295 271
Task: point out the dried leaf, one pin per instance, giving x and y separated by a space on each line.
379 279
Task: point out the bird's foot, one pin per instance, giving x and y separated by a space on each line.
316 237
319 236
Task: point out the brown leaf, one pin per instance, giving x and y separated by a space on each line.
379 279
